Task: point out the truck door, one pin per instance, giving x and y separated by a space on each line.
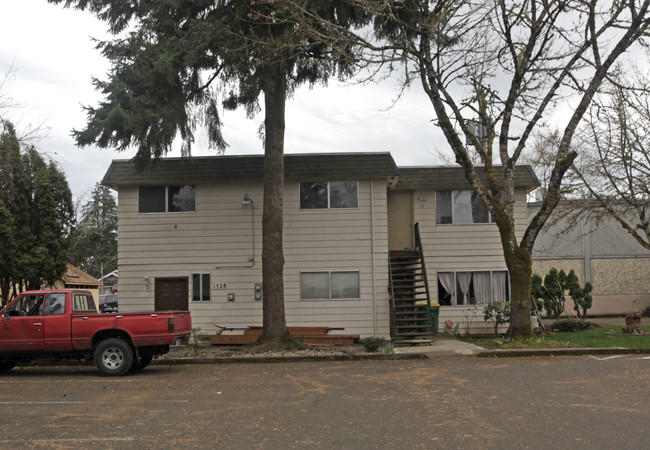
22 325
57 323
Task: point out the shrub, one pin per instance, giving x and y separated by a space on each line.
372 344
570 325
499 312
646 311
552 293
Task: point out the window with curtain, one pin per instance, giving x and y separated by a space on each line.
460 207
473 287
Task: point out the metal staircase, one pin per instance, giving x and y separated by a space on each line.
411 319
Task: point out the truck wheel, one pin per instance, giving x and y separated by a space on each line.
142 362
6 366
113 357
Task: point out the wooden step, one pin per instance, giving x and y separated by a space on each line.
308 335
412 331
418 326
247 339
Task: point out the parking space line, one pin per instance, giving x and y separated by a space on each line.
73 440
64 381
89 402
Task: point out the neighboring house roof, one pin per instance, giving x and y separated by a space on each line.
112 274
569 236
76 276
196 170
447 178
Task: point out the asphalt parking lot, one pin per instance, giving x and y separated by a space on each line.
447 402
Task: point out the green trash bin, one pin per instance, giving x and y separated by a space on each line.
435 315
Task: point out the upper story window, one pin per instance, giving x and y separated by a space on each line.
461 207
161 199
329 194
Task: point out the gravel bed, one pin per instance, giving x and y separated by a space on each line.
232 351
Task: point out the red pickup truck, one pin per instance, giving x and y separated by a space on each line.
59 324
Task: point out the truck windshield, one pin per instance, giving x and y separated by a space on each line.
27 305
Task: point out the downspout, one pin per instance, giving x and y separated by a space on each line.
586 249
372 250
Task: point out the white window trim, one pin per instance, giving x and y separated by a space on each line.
200 274
455 295
329 277
490 222
329 207
167 186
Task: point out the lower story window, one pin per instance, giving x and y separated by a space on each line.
473 288
329 285
200 287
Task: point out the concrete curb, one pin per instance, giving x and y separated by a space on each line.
516 353
251 360
283 359
416 355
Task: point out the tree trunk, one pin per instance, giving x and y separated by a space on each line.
4 292
274 320
520 266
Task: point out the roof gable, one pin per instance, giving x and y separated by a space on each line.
76 276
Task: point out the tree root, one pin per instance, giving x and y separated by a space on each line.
282 342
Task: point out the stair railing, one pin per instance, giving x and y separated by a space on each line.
418 247
391 294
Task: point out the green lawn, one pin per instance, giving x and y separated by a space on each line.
603 337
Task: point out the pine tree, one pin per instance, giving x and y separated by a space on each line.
93 245
180 61
35 217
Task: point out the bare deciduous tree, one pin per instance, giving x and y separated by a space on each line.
615 161
29 134
508 65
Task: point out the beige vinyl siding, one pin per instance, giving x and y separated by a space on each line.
339 240
462 247
218 234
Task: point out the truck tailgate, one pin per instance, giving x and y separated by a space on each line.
155 328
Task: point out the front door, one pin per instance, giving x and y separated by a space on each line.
400 220
172 294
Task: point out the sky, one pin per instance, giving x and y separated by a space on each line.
53 56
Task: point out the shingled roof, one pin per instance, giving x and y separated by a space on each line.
196 170
74 276
447 178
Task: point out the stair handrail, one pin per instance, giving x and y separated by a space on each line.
390 284
418 247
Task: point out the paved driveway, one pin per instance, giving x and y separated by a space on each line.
449 402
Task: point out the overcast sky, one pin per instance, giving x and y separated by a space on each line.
54 58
